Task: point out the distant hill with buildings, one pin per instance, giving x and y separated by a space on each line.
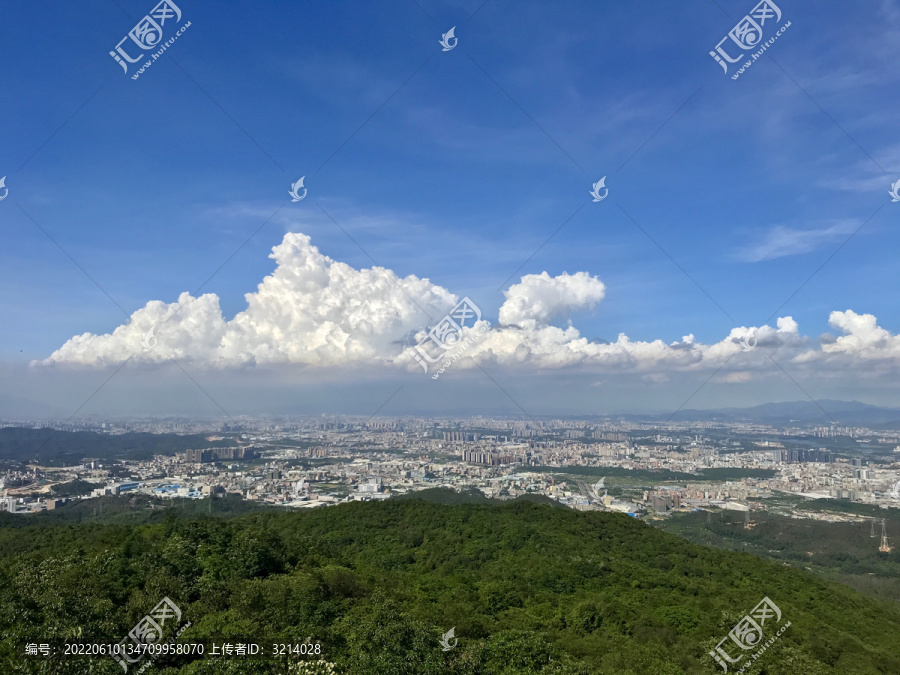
53 447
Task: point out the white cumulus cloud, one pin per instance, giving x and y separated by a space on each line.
310 310
315 311
540 298
863 338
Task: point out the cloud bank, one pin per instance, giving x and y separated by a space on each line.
318 312
311 310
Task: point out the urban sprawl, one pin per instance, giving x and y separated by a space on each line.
586 465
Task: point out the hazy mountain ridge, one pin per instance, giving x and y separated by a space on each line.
823 411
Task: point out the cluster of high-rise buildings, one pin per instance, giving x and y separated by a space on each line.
493 458
218 454
797 455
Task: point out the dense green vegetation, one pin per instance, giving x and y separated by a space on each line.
613 472
59 448
439 495
842 551
529 589
735 474
73 488
654 476
133 509
846 506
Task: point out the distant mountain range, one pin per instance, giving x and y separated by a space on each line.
12 407
824 411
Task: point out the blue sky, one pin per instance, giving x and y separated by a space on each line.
453 166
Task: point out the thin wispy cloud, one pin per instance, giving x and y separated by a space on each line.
782 241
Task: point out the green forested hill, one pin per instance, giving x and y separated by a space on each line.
527 587
843 551
56 447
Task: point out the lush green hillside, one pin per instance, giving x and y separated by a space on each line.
528 589
442 495
843 551
132 509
